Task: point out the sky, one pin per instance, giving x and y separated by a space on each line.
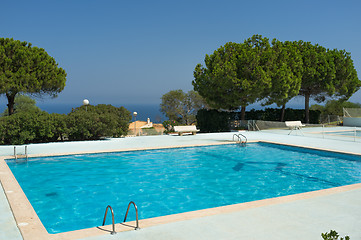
132 52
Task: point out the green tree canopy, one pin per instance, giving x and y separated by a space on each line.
286 74
182 107
235 75
27 69
326 73
335 107
23 103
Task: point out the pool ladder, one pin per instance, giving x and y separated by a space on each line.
125 218
25 155
240 138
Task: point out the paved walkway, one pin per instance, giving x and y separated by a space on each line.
302 219
8 227
299 219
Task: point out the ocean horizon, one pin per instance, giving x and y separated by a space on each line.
144 111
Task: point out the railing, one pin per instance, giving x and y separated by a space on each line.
105 216
239 136
252 125
125 218
136 214
25 155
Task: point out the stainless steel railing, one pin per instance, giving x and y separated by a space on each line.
125 218
239 137
136 214
105 216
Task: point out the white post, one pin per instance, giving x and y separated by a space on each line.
135 123
26 152
354 135
16 157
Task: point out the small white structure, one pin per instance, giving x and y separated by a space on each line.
186 129
148 125
294 125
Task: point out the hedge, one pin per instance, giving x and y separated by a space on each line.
219 121
37 126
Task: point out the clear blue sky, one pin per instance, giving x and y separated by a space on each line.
122 52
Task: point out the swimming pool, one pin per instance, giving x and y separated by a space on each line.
71 192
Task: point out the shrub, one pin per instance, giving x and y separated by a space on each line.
36 126
169 125
26 127
98 121
219 121
332 235
213 121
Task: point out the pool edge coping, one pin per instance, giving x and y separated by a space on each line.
31 227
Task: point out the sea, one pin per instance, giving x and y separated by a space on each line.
144 111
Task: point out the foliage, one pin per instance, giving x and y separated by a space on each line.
94 122
219 121
333 235
60 128
235 75
23 103
39 126
27 127
213 120
273 114
335 107
27 69
238 74
169 125
181 107
286 72
326 73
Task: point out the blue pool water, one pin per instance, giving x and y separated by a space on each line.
72 192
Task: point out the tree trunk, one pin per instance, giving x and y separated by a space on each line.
243 113
307 108
283 112
11 103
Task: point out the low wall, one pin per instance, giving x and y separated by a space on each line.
352 122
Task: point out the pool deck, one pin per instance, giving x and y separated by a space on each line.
301 216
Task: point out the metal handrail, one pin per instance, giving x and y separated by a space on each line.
25 155
105 216
16 158
136 214
240 139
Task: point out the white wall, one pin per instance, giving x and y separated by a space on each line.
352 122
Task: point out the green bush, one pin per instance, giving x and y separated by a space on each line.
26 127
219 121
213 121
274 114
333 235
94 122
169 125
37 126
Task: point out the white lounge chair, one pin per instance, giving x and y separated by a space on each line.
186 129
294 125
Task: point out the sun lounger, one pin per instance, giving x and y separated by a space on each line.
294 125
186 129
